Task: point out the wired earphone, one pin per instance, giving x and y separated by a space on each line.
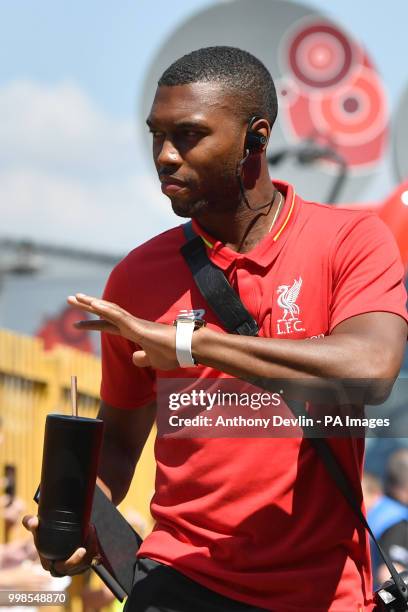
255 142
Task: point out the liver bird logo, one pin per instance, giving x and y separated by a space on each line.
287 299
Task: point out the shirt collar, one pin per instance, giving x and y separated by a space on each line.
267 249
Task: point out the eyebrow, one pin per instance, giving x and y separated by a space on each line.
183 124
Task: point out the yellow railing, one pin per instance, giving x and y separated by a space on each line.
34 383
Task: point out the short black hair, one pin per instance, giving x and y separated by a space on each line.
240 72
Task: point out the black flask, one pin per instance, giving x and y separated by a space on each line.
71 452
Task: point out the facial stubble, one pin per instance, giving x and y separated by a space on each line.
224 194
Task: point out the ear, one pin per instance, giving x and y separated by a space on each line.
257 135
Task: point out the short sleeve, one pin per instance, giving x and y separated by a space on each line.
367 272
123 384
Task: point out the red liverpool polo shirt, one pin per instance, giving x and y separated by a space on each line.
259 520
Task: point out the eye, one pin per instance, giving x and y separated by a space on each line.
156 134
196 133
190 135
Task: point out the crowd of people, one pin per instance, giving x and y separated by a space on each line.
20 567
386 502
21 570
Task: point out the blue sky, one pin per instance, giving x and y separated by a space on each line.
73 167
104 46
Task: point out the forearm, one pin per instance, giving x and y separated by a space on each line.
368 347
342 356
115 471
310 363
125 434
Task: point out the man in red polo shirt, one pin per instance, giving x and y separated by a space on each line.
242 524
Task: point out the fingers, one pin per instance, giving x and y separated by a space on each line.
74 300
82 558
82 298
97 307
103 308
140 359
120 321
89 304
76 564
92 304
30 523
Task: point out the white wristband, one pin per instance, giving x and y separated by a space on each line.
184 335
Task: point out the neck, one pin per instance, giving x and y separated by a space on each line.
241 227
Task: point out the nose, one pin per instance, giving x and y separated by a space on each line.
166 154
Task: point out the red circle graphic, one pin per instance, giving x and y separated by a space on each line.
356 113
320 56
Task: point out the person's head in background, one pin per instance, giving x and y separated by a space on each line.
372 489
396 476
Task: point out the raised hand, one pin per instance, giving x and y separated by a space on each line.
157 341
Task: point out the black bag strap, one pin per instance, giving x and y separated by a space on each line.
215 288
227 305
336 472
